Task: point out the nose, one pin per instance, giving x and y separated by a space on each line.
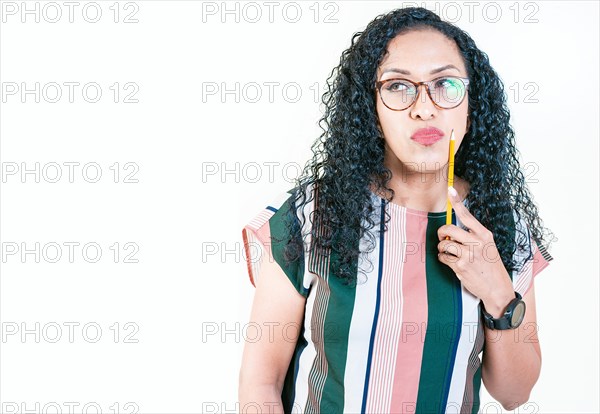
423 107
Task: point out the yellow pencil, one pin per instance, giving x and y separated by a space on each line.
450 179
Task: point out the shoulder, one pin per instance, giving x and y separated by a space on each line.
268 234
530 256
284 212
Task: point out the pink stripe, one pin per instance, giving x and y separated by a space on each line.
410 346
260 219
539 262
256 236
523 278
389 320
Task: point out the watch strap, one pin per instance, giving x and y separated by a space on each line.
504 321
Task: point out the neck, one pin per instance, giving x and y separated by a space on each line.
422 190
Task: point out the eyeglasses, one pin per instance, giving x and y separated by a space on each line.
446 92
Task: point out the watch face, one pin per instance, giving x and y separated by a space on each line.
518 314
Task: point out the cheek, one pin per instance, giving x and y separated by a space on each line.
390 121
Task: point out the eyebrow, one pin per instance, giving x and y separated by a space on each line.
405 72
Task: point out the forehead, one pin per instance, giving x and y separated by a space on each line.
421 51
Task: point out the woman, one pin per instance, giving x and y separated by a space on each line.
389 307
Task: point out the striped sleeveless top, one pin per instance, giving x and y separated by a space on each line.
406 339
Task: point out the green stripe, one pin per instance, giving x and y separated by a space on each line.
337 329
279 238
443 298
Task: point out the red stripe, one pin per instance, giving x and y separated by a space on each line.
257 231
410 347
390 316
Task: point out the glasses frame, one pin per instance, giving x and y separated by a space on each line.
417 85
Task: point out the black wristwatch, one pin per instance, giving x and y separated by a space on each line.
512 317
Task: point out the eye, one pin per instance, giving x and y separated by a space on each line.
397 86
448 83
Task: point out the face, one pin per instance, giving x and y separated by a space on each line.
419 53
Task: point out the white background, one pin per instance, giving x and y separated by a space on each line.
196 156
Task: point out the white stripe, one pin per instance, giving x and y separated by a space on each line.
359 334
309 278
468 333
306 358
466 342
309 353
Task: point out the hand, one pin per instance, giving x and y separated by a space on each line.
473 256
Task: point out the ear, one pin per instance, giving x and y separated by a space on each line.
468 122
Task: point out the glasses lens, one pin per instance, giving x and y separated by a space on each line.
398 94
448 92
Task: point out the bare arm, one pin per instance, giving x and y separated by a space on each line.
512 358
278 309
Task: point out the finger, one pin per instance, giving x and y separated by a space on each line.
448 259
463 213
454 232
450 248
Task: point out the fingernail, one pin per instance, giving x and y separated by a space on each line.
452 191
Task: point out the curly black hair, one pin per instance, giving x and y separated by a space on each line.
348 156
